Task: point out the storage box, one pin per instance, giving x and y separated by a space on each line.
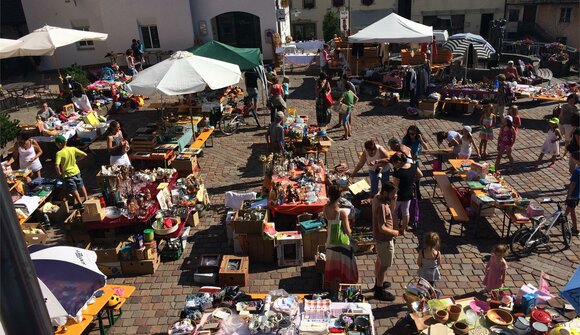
230 227
209 263
289 248
107 250
111 179
481 169
93 211
240 244
234 271
144 267
248 227
487 211
260 250
185 167
311 242
428 108
194 218
110 269
34 233
209 278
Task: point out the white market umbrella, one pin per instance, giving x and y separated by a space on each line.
8 43
184 73
68 277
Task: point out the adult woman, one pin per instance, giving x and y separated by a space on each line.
405 175
377 158
322 89
414 140
511 72
340 261
43 129
276 98
27 151
569 117
117 145
453 139
131 62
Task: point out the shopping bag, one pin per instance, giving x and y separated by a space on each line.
327 101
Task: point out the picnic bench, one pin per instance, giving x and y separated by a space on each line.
458 213
202 138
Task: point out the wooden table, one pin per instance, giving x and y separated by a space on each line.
74 328
100 306
166 158
547 98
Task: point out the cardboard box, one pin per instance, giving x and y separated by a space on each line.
110 269
111 179
34 233
107 250
311 242
260 250
194 219
234 271
93 211
240 244
230 227
289 248
248 227
209 278
320 264
143 267
185 167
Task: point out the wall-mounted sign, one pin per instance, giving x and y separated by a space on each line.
281 15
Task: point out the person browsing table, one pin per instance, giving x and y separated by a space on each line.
348 99
27 152
67 168
376 158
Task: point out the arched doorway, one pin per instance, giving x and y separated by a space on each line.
239 29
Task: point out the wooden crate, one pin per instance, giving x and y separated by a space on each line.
234 271
259 249
289 248
311 242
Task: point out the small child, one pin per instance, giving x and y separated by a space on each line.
67 168
515 114
487 122
467 143
496 268
286 87
551 145
505 140
429 258
502 96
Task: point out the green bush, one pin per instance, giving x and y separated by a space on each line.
330 25
77 73
8 129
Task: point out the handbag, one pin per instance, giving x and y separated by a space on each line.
327 100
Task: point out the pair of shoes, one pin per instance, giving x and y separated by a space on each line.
575 232
381 294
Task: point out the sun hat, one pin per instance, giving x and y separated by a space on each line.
467 129
60 139
509 117
554 121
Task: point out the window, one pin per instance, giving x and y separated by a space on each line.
514 15
84 45
367 2
303 31
565 14
452 23
338 3
308 4
150 37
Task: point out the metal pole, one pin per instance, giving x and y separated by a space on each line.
25 312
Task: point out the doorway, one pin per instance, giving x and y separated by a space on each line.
239 29
529 14
485 24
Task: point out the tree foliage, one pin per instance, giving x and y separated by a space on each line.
330 25
8 129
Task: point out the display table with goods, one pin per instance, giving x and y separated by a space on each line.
303 139
231 311
160 142
554 92
85 126
529 311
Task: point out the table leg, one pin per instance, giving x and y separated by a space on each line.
102 330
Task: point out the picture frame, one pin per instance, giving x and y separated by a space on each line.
68 109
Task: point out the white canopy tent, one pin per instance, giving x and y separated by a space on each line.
394 29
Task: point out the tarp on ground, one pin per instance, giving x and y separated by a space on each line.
245 58
394 29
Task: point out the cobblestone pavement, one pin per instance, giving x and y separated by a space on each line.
232 164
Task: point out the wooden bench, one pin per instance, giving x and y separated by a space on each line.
201 140
458 213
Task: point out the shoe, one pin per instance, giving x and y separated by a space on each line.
575 232
386 284
79 206
381 294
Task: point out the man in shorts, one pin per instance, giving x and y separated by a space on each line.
251 79
66 167
383 206
574 193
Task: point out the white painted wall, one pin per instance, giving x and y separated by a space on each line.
205 10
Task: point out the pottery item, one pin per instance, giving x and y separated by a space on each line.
538 315
497 330
441 316
499 317
560 331
460 328
539 328
521 326
454 312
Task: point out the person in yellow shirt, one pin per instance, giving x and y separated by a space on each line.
66 167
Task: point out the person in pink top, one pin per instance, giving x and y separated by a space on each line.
505 140
515 114
511 71
496 268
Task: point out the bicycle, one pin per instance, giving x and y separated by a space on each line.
526 240
231 121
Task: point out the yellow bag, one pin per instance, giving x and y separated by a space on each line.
91 119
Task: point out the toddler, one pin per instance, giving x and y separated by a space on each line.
487 122
551 145
429 258
515 114
496 268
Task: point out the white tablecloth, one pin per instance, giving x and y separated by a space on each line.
308 45
68 131
299 59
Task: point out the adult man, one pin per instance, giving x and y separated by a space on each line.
251 79
383 206
137 53
45 112
275 134
67 168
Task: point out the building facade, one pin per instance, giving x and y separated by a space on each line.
547 20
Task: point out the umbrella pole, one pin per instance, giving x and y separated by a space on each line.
57 67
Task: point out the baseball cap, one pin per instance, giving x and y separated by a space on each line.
509 117
554 121
467 129
60 139
510 62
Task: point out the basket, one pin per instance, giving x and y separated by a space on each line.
160 231
420 287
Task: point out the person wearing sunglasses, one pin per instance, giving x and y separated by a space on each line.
414 140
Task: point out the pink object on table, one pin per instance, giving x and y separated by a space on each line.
479 306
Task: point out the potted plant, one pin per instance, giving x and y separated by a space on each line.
558 58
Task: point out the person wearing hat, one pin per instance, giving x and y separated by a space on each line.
505 140
467 144
66 167
511 71
275 134
551 146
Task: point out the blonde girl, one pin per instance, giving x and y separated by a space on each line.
487 122
429 259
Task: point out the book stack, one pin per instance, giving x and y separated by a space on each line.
144 143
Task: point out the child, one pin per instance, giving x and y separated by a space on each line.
348 99
429 258
574 193
286 87
487 122
467 143
66 167
496 268
551 145
515 114
502 96
505 140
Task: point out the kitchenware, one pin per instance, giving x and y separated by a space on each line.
497 330
479 306
538 315
454 312
539 328
499 317
560 331
460 328
521 326
471 317
441 316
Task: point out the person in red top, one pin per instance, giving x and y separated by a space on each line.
511 71
277 102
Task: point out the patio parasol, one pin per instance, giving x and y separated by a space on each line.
8 43
68 277
459 43
572 291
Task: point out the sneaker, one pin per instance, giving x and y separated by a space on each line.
575 232
386 284
381 294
